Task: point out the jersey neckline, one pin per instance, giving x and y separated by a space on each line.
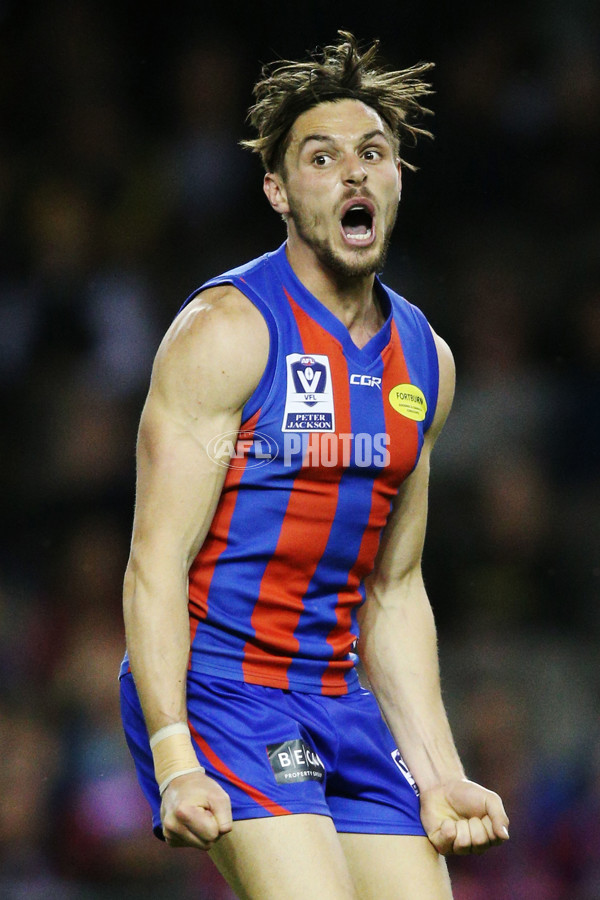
318 311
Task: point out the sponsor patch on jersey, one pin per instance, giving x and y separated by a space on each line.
309 395
294 761
409 401
365 380
397 757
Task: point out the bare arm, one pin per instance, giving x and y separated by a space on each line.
398 647
207 366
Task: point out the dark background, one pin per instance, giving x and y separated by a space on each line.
122 188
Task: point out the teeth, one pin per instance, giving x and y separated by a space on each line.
360 237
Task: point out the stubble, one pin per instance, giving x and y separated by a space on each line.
358 263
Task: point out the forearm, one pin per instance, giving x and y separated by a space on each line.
158 641
398 648
157 631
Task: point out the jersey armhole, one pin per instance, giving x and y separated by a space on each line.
432 366
263 388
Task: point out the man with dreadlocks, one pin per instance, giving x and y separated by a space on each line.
283 462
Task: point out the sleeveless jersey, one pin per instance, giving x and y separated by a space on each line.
326 439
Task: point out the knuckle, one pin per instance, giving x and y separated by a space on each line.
169 824
184 813
180 814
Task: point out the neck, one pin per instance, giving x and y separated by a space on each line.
351 299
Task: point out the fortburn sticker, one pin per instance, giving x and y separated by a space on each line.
409 401
295 761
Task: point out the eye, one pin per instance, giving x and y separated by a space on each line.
371 155
321 159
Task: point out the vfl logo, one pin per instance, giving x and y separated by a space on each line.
309 394
310 377
294 761
396 756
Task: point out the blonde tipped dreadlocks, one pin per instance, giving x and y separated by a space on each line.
339 71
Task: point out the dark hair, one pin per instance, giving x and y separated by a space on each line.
339 71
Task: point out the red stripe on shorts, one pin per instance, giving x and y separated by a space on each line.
256 795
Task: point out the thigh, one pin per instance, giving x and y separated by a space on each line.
396 867
296 857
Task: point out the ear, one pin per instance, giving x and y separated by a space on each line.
274 188
399 167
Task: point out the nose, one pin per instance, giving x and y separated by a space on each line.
354 171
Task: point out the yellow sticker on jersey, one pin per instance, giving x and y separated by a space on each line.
409 401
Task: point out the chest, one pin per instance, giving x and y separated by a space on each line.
330 413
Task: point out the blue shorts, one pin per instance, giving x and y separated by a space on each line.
277 752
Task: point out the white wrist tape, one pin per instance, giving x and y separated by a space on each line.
167 731
173 754
167 781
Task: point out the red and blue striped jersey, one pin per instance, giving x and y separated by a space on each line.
326 439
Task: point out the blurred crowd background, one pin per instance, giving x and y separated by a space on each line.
122 188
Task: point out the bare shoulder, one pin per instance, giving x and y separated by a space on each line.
220 323
447 384
214 352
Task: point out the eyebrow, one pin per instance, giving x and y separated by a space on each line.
328 139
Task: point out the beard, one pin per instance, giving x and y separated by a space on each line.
356 263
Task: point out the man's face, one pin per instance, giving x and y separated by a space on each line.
341 186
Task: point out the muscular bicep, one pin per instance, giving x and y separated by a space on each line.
207 367
178 483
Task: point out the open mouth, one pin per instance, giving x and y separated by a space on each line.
358 226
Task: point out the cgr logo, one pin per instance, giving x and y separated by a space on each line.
239 449
367 380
